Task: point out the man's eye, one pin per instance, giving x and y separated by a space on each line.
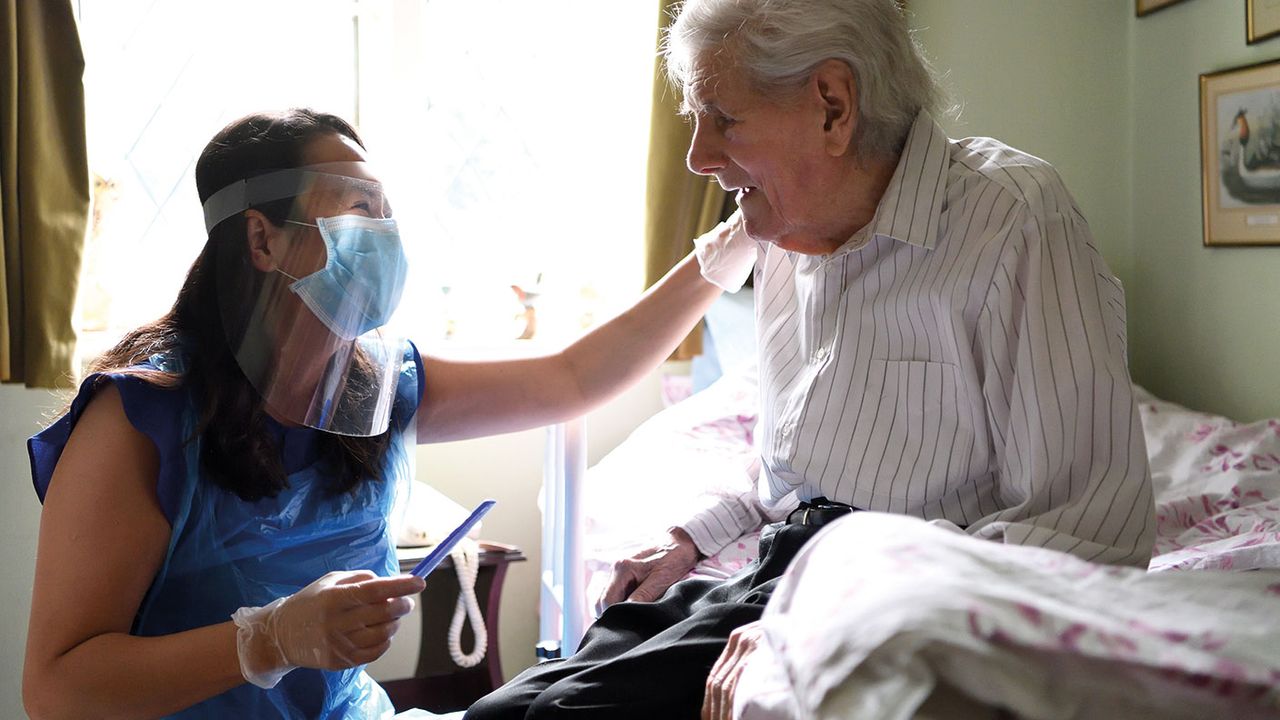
724 121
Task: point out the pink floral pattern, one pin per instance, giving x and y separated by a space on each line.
1217 485
1019 627
735 556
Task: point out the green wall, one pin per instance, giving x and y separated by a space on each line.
1049 78
1204 322
1112 100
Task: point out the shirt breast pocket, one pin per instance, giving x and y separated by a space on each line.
922 429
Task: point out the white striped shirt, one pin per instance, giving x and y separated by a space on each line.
965 363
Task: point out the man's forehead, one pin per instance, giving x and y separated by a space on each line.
706 80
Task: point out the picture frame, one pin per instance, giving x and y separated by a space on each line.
1262 20
1240 154
1146 7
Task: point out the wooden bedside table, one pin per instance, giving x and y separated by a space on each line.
438 684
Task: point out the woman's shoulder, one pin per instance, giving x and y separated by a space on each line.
145 404
153 393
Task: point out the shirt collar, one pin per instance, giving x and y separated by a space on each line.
911 207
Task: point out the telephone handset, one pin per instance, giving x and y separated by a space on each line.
431 518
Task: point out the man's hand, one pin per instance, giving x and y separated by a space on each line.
717 703
645 576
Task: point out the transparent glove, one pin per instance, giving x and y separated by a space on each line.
726 254
342 620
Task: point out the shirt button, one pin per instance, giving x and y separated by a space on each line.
820 354
786 429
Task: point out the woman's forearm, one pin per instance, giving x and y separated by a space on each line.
621 351
469 399
116 675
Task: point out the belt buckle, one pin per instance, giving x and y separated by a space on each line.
804 519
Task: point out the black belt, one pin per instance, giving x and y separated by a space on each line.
818 512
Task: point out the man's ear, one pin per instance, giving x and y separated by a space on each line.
837 91
260 234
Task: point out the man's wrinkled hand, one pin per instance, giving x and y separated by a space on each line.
645 576
717 702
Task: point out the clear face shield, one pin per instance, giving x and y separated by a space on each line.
304 307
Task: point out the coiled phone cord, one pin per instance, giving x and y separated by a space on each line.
466 561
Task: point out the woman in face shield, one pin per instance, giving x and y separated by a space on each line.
214 538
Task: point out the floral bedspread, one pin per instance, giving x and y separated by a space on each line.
1217 487
1040 633
873 634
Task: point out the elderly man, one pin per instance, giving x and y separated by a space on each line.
938 337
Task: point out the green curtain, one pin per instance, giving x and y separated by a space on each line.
44 189
679 205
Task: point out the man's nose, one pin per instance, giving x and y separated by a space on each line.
705 156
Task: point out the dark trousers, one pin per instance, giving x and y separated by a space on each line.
649 660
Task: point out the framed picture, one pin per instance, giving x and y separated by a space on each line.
1240 155
1146 7
1262 19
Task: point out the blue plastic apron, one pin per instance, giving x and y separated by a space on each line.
226 553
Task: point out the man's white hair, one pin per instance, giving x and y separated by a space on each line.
778 43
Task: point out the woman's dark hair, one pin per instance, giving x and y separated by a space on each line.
237 450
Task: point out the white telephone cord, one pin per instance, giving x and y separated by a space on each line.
466 561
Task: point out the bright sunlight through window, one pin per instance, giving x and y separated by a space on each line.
511 135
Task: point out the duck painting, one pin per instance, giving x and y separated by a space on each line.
1251 159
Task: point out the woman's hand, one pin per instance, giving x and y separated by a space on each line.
726 254
339 621
645 576
717 703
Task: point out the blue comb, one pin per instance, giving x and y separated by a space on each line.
441 551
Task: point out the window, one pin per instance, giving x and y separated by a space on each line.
511 135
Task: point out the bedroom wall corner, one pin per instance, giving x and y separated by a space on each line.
1203 322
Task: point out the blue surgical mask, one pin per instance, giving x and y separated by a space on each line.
360 285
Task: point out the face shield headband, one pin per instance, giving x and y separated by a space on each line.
244 194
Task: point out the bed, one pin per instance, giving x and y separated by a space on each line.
927 622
